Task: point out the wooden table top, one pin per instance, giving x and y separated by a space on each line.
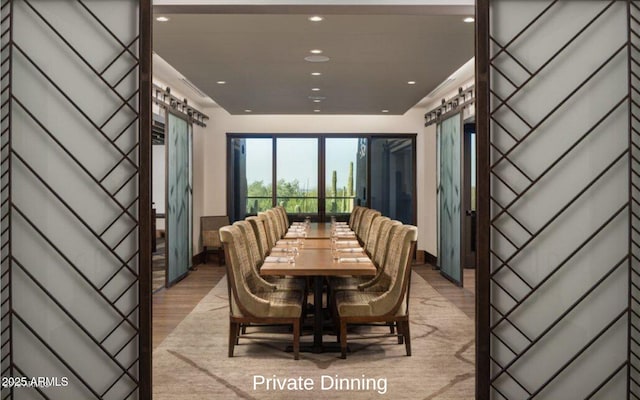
321 230
318 262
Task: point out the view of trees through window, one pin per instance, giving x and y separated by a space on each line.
320 176
340 173
297 174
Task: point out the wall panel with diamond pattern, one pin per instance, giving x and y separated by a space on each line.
560 199
75 109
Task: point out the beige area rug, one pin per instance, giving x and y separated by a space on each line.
192 362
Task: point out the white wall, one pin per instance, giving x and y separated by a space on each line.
221 122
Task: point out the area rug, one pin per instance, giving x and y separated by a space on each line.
192 362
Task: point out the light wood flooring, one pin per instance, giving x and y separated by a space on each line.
172 305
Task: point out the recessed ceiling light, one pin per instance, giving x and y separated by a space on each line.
316 73
316 51
316 58
317 101
411 82
469 20
221 82
315 89
316 110
248 111
316 18
162 19
385 111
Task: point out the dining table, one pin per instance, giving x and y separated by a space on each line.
315 260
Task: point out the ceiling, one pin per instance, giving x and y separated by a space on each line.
260 56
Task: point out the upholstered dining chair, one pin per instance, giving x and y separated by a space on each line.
390 306
352 217
365 224
257 223
256 261
272 236
250 301
374 234
279 222
283 215
377 283
357 216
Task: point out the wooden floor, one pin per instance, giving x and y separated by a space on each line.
172 305
462 297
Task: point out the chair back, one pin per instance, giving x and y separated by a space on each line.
398 270
240 276
251 243
382 245
276 220
374 234
365 224
276 223
209 227
257 223
352 217
357 215
272 237
283 215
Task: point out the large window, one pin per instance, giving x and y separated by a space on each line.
393 178
341 174
258 171
297 175
321 175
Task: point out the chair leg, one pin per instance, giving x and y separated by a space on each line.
233 336
296 339
343 338
407 336
392 327
400 330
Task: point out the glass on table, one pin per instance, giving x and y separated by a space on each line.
335 254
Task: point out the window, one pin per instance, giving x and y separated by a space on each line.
297 171
321 175
392 178
258 171
342 170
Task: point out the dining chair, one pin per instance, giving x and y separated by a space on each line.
277 214
374 234
276 224
248 302
352 217
390 306
272 236
379 281
357 217
337 283
257 223
365 224
283 215
257 260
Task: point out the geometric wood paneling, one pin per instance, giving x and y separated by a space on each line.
559 199
75 236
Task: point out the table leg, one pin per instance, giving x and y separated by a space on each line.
318 321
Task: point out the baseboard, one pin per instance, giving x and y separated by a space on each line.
198 259
428 258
